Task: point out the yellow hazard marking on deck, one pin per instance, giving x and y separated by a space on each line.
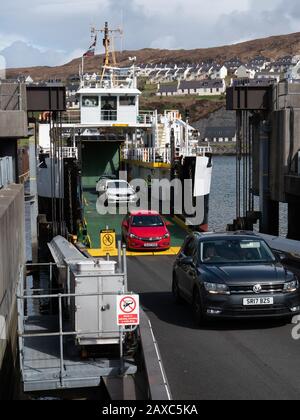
97 253
152 165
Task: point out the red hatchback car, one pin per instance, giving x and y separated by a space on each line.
143 230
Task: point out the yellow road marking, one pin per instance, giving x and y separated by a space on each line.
97 253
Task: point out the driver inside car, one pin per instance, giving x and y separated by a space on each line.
210 253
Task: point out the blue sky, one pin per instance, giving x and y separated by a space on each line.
44 32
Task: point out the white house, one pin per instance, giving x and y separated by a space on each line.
167 90
202 87
294 72
220 134
244 72
218 72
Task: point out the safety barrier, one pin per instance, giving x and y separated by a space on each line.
162 155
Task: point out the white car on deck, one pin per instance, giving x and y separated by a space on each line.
116 191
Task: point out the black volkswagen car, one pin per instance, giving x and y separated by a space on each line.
234 275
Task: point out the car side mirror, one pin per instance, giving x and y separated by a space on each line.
125 224
187 261
282 258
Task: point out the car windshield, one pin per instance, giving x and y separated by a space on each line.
117 185
225 251
147 221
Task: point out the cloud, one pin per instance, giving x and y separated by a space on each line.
166 42
21 54
61 27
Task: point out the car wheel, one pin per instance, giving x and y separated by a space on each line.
197 308
176 290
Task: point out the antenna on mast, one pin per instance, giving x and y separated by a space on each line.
108 45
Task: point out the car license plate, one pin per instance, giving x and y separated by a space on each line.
258 301
152 245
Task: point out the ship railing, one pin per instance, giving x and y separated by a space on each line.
6 172
146 117
110 115
162 154
71 117
114 82
68 152
62 152
196 151
148 155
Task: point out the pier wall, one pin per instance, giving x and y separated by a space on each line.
12 257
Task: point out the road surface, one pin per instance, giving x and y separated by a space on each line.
227 360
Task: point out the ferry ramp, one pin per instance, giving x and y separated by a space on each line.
96 222
225 360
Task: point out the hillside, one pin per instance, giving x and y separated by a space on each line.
198 108
272 48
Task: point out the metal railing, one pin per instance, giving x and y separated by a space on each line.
71 117
148 155
40 294
109 115
109 82
6 172
146 117
64 153
68 153
162 155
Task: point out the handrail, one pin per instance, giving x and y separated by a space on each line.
162 154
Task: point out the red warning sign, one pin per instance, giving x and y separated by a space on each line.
128 310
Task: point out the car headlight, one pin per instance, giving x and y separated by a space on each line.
166 236
132 236
217 289
291 286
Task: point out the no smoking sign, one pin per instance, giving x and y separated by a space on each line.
128 310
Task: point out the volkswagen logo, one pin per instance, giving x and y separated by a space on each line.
257 288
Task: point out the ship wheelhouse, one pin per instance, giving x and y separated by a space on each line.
109 107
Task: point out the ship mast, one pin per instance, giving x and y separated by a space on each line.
108 43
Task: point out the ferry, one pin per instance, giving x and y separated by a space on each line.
110 136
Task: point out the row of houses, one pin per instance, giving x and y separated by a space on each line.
260 67
157 74
205 87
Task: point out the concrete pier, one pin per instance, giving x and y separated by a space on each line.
12 258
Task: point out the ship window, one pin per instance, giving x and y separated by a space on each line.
90 101
127 100
109 108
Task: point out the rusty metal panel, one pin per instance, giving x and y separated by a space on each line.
46 98
249 98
